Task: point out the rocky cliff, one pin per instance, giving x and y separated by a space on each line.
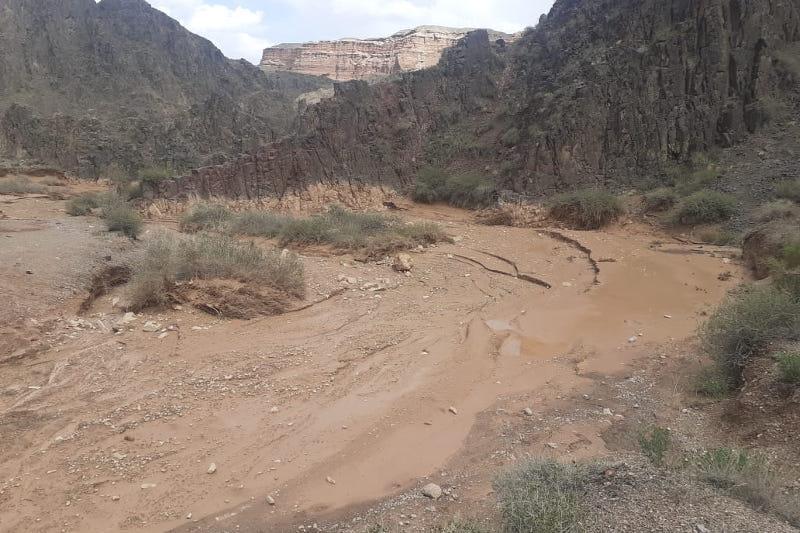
600 91
87 85
365 59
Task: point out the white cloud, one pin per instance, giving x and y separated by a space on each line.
238 31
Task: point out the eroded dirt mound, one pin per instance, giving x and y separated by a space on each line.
232 299
766 242
104 281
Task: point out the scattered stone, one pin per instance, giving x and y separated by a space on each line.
128 438
146 486
701 528
607 412
212 468
632 339
330 480
163 335
432 491
270 500
528 411
402 263
273 410
119 456
566 284
552 445
453 410
151 327
115 498
126 319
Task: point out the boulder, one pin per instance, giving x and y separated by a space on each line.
402 263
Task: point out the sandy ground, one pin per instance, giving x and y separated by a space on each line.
329 410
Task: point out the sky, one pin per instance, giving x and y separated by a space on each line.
243 28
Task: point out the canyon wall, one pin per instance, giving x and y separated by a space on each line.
365 59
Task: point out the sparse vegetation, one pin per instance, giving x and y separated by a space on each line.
258 224
655 443
747 323
695 176
660 200
743 475
789 190
510 137
119 215
461 526
719 236
204 216
776 210
460 190
789 367
169 259
543 497
704 207
154 173
713 383
586 209
82 205
20 186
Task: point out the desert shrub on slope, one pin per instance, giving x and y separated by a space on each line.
20 186
82 205
203 216
704 207
586 209
789 190
467 190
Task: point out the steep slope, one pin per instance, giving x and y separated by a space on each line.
84 85
364 59
598 90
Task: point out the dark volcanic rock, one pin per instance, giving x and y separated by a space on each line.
85 84
599 89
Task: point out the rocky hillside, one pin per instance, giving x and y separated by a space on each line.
364 59
600 90
86 85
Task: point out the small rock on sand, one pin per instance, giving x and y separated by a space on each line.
528 411
402 263
330 480
212 468
453 410
151 326
270 500
432 491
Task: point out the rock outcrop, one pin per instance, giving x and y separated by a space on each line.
87 85
599 91
367 59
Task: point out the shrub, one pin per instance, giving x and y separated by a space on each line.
789 367
655 443
747 323
168 259
744 476
586 209
542 497
82 205
719 237
20 186
790 190
660 200
704 207
776 210
155 173
305 231
203 216
124 219
258 224
460 190
510 137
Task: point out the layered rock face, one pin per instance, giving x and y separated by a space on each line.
365 59
600 92
87 85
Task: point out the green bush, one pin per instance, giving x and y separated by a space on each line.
82 205
510 137
204 217
789 190
468 190
20 186
747 323
704 207
586 209
124 219
660 200
543 497
655 443
789 366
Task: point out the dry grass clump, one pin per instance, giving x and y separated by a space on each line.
776 210
120 216
789 367
203 217
258 224
82 205
20 185
543 497
512 215
587 209
746 476
660 200
168 260
790 190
